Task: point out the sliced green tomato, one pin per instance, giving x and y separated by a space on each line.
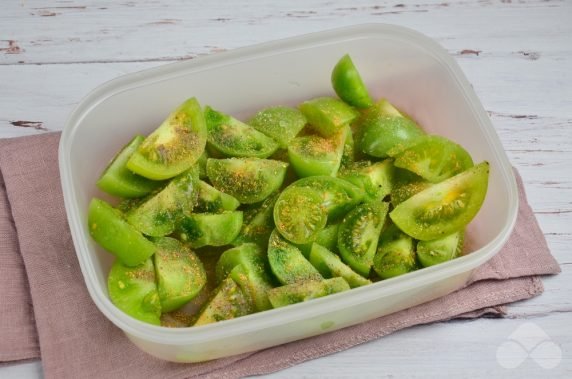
258 223
375 179
234 138
133 290
119 181
210 229
348 84
158 214
338 196
299 214
434 158
202 165
383 128
250 180
328 115
327 237
247 265
174 146
316 155
287 262
395 254
211 200
441 249
330 266
348 154
179 271
406 184
227 301
304 291
110 230
444 208
280 123
359 233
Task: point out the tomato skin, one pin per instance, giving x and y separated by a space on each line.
445 207
110 230
133 290
330 265
210 229
441 250
348 84
303 291
395 254
315 155
174 146
118 180
280 123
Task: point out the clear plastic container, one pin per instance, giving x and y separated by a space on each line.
408 68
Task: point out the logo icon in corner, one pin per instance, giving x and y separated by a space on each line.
529 341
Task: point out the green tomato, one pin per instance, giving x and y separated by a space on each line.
110 230
211 200
118 180
441 249
226 302
287 262
375 179
330 265
258 223
434 158
174 146
405 185
315 155
395 254
234 138
210 229
133 290
328 115
280 123
348 84
303 291
299 214
179 271
250 180
158 214
443 208
359 234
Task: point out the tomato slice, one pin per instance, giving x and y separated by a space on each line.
444 208
316 155
250 180
211 200
227 301
328 115
179 272
434 158
395 254
383 127
287 262
258 223
210 229
338 196
359 234
441 249
375 179
133 290
299 214
234 138
118 180
279 123
158 214
330 265
303 291
348 84
174 146
109 229
405 185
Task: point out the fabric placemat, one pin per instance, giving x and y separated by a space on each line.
47 312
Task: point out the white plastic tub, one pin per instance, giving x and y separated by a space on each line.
404 66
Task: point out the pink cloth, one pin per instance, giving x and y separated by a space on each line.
46 311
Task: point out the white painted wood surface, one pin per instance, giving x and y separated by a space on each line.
517 55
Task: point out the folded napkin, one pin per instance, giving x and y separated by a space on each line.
46 311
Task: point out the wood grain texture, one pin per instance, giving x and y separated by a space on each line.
516 54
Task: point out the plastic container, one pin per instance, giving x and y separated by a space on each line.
408 68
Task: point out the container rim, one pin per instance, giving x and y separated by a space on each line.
261 321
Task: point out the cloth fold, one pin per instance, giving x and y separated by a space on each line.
46 311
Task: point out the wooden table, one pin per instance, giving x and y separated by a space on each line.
517 55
